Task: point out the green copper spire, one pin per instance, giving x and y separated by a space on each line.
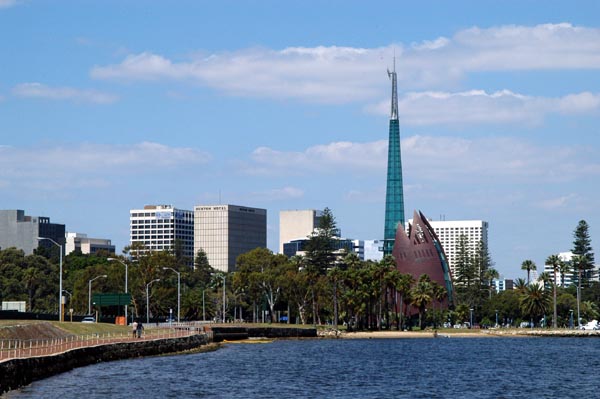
394 197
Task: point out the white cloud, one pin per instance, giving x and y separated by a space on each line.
344 74
559 202
38 90
277 194
434 158
90 165
324 158
7 3
479 107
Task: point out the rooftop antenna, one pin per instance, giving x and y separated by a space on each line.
393 77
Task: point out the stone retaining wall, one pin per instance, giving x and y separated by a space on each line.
20 372
235 333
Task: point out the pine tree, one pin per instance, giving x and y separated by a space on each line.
582 245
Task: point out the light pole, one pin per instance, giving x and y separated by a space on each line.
578 299
90 292
496 317
471 310
126 273
178 290
571 320
70 303
60 289
148 300
223 277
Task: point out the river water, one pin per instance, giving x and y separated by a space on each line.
373 368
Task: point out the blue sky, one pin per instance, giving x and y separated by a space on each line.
109 105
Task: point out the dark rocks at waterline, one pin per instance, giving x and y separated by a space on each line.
239 333
20 372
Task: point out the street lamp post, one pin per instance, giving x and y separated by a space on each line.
124 264
578 300
178 290
148 300
571 320
90 292
60 289
471 310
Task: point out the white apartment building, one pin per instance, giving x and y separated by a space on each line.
297 225
224 232
449 232
372 250
87 245
160 227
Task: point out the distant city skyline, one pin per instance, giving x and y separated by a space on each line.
108 105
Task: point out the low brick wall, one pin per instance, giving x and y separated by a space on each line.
20 372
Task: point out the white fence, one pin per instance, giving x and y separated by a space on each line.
18 349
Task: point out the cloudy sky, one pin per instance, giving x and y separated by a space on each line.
107 106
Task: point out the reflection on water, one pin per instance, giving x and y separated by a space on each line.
389 368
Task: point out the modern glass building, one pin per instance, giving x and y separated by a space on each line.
394 198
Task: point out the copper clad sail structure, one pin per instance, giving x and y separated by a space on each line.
419 252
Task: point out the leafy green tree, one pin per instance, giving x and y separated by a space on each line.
262 271
554 261
528 265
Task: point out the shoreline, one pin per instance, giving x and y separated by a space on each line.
510 333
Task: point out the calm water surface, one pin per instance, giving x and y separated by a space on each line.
375 368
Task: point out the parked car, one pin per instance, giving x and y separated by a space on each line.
88 319
592 325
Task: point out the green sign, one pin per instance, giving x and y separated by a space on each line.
113 299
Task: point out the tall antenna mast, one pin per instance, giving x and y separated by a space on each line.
392 76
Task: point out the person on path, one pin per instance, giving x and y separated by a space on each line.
134 327
140 328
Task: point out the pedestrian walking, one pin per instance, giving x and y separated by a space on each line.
140 328
134 327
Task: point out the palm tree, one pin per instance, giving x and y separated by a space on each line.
528 265
438 293
554 261
520 284
580 263
545 278
564 268
534 302
421 295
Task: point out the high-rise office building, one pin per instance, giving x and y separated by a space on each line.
87 245
224 232
450 231
21 231
163 228
394 197
297 225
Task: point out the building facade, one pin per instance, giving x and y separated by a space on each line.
372 250
224 232
394 196
450 231
297 225
163 228
503 284
86 245
22 231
